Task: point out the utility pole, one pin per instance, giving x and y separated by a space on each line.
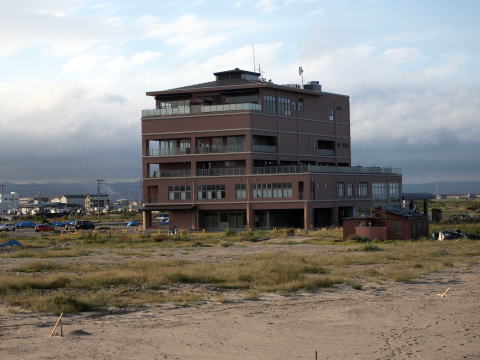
99 182
1 199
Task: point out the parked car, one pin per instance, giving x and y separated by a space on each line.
8 227
44 227
84 225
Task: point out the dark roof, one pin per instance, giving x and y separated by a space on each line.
417 196
210 84
237 71
398 210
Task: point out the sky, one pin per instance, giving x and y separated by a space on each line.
73 76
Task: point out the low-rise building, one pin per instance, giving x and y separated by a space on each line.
97 202
388 223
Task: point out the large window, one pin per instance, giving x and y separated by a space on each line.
394 191
331 114
269 191
349 190
341 189
362 189
252 99
211 192
379 191
269 103
284 106
179 192
240 191
300 105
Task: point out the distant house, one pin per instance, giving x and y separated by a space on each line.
388 223
75 200
97 202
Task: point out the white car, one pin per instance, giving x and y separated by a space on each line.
8 227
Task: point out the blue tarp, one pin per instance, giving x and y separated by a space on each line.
132 223
59 223
11 243
26 224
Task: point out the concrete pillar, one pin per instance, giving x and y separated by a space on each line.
334 219
307 216
147 220
250 217
195 218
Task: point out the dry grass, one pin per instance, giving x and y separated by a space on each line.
51 285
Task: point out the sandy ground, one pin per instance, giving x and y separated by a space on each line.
390 321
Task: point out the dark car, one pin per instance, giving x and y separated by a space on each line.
44 227
84 225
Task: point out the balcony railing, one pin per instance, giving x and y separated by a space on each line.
221 171
170 173
325 169
166 152
265 148
196 109
219 149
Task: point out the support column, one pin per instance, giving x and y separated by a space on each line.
334 219
147 220
250 217
307 215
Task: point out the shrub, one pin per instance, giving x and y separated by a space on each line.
230 232
290 232
370 247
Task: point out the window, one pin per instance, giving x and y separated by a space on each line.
394 191
331 114
341 189
275 191
397 227
251 99
240 191
362 189
211 192
349 190
300 105
284 107
153 170
269 103
379 191
179 193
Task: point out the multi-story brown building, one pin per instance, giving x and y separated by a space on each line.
242 152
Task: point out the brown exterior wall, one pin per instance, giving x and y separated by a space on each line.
297 137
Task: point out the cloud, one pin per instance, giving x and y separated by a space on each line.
193 34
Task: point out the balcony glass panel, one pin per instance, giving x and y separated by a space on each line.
325 169
169 151
195 109
220 171
170 173
219 149
265 148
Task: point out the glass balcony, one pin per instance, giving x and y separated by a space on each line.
170 173
325 169
166 152
198 109
265 148
221 171
219 149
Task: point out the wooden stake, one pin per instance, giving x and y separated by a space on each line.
316 357
59 321
442 295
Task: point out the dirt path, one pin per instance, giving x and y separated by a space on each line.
395 321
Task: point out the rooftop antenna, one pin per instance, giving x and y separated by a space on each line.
300 73
253 50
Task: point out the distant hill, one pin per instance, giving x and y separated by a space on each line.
460 187
117 190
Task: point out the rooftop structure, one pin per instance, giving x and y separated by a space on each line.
242 152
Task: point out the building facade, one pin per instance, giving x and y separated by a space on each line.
241 152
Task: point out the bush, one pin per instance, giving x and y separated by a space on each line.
290 232
230 232
370 247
